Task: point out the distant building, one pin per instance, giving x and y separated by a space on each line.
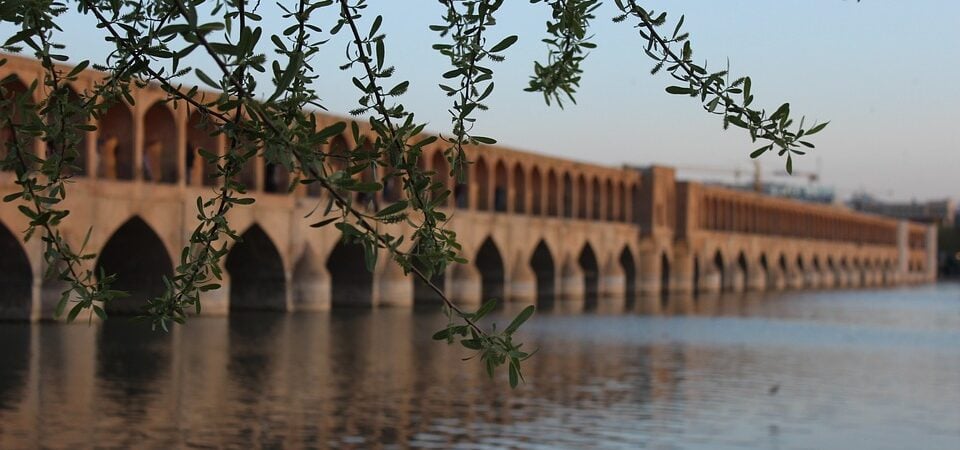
939 212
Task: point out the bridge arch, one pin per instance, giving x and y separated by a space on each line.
609 200
160 139
587 260
536 192
553 193
351 284
568 195
139 258
664 281
519 190
13 87
581 207
744 267
596 200
481 176
622 202
115 143
720 266
257 273
202 134
629 265
544 269
422 293
16 278
489 263
500 187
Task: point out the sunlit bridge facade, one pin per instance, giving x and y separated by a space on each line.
535 229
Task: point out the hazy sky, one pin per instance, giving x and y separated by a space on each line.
886 74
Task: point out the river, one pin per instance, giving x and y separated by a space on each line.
848 369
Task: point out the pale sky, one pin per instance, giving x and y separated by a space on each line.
885 73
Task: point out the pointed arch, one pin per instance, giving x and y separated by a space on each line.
608 194
587 260
140 260
16 278
519 190
720 266
13 87
664 280
490 265
622 203
541 261
567 195
536 197
596 199
581 212
276 178
553 194
115 143
202 134
481 176
745 268
257 275
629 265
500 187
73 119
160 138
441 170
351 284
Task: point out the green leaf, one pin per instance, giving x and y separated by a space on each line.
504 44
324 222
485 309
817 128
520 319
393 209
680 90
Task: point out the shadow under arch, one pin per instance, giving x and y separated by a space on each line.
115 143
587 260
744 271
541 262
720 267
16 278
139 259
664 280
160 144
629 265
351 284
489 263
257 277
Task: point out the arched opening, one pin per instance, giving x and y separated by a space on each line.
596 202
765 269
159 144
696 276
783 267
351 284
629 274
608 196
581 198
720 268
73 118
664 280
365 155
137 256
543 268
276 178
634 210
744 270
567 195
12 88
257 277
16 278
490 265
591 274
500 187
392 181
536 197
201 134
519 190
441 173
422 293
622 208
553 193
482 179
115 143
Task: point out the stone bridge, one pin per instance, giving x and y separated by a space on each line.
535 228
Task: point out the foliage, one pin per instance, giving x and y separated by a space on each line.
154 42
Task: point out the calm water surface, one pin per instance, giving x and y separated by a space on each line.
828 369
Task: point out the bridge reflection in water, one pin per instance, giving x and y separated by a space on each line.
851 370
533 227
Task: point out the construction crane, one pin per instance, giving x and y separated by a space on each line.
813 177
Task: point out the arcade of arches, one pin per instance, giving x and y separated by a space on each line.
535 229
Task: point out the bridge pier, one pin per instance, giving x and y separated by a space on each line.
795 280
649 278
736 281
710 282
756 281
393 287
522 285
571 282
613 281
811 279
465 285
311 284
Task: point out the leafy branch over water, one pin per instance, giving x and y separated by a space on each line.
160 42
